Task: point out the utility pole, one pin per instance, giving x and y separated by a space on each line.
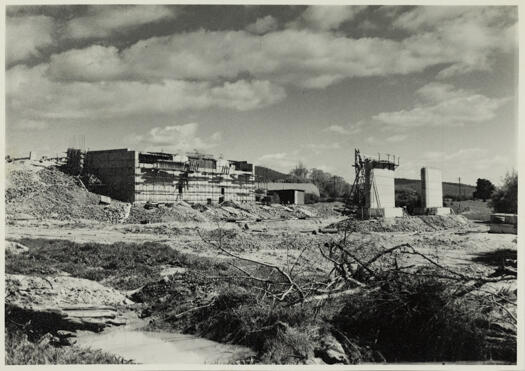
459 185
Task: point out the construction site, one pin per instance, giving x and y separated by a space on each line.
149 257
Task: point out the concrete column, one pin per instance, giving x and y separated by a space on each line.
431 188
380 194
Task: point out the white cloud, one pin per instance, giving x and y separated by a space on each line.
94 63
176 138
102 21
443 105
467 163
26 35
319 148
31 95
323 145
474 33
346 130
396 138
274 156
463 154
280 161
304 57
263 25
325 17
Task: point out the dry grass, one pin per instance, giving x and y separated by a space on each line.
21 351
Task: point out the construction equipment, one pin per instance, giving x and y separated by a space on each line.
364 184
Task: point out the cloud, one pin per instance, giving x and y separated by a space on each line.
325 17
31 95
263 25
94 63
303 57
467 163
319 148
32 125
475 33
323 145
463 154
346 130
444 105
26 36
396 138
176 138
102 21
281 161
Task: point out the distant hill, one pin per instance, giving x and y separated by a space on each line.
264 174
449 189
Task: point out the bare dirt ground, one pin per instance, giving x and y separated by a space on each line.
274 241
45 204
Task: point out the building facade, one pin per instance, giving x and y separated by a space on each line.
135 176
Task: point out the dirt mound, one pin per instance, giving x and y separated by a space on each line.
48 193
161 213
424 223
227 211
72 303
37 192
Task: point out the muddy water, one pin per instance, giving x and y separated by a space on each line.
154 347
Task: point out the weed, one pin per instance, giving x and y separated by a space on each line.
21 351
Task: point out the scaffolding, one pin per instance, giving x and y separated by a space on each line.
364 184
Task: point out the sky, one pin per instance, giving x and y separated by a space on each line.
273 85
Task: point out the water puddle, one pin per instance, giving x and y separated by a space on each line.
154 347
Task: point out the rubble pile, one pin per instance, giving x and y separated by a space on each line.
180 212
39 192
228 211
47 193
423 223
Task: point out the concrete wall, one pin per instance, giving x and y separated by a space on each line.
431 188
380 191
116 170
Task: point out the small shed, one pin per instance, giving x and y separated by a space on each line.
289 196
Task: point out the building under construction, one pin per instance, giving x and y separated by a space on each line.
373 192
135 176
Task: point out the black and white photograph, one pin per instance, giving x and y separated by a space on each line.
201 185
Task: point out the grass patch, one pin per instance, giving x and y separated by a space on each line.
21 351
120 265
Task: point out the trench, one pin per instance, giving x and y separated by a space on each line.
134 343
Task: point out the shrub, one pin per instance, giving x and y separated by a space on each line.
277 334
310 198
408 198
417 319
505 198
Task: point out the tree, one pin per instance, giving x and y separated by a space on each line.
484 189
505 198
408 198
300 173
